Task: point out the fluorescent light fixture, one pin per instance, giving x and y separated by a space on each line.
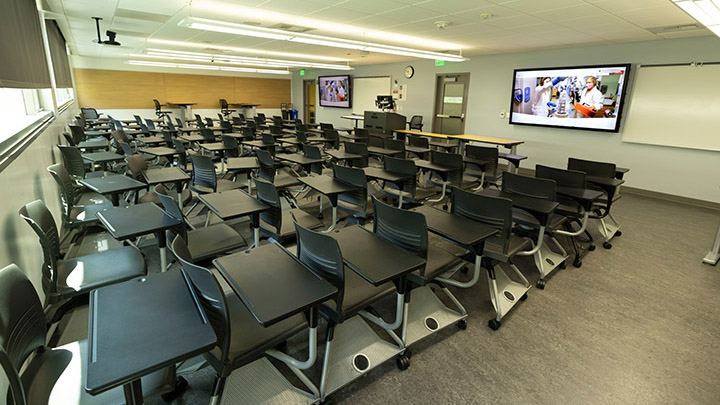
235 59
706 12
205 67
205 46
261 32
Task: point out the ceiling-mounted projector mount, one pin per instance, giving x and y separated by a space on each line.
111 35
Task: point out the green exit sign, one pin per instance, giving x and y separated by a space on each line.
302 72
439 63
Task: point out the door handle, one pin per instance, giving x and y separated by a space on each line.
461 116
442 116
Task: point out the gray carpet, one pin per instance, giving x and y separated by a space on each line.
637 323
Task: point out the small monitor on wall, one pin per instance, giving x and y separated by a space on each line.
335 91
581 97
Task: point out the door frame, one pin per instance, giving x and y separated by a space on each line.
436 99
306 106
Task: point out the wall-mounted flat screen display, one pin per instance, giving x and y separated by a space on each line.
582 97
334 91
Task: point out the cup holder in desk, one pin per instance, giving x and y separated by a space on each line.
431 324
509 296
361 363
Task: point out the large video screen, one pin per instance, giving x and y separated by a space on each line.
583 97
334 91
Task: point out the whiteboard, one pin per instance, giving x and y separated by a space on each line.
365 91
675 106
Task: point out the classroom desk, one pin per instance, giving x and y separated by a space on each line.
380 151
150 140
168 175
217 147
192 138
461 231
331 188
539 208
340 155
353 137
138 220
130 328
585 198
396 178
186 111
356 118
298 159
160 151
242 165
292 289
113 185
96 144
102 158
441 170
232 204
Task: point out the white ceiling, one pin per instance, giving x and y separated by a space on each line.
514 25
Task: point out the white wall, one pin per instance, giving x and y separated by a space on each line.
683 172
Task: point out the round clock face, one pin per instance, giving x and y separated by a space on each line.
409 71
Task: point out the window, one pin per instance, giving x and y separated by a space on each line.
63 96
21 108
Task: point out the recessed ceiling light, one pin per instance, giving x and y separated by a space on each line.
205 67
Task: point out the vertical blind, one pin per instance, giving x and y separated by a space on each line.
58 54
21 46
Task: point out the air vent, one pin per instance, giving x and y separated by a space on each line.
674 28
291 28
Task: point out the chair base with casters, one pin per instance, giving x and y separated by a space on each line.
546 259
260 382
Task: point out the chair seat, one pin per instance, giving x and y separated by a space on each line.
359 293
523 218
212 241
152 197
516 244
284 179
91 198
81 274
222 185
416 149
356 210
86 214
287 228
438 262
58 375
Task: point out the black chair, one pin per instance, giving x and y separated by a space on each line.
182 154
416 123
241 340
204 179
159 111
65 279
80 134
225 109
208 134
502 248
279 177
276 222
204 243
408 230
604 171
313 152
449 178
358 149
90 114
410 193
136 166
418 145
356 203
238 121
232 144
209 122
78 208
75 164
396 145
52 375
481 162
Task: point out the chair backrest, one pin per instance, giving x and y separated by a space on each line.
158 107
179 122
492 211
171 207
22 327
120 136
73 161
252 125
276 129
41 221
182 153
207 134
418 141
203 171
226 126
402 166
199 120
170 126
278 121
126 149
80 120
301 136
270 141
138 119
221 118
358 149
321 253
562 177
325 125
332 135
592 168
242 117
261 116
167 136
78 133
144 129
231 143
259 120
268 194
223 104
150 124
68 193
266 171
209 294
453 160
377 141
484 153
416 122
136 165
69 139
301 127
528 186
356 177
248 134
237 121
313 152
394 144
90 113
403 228
208 121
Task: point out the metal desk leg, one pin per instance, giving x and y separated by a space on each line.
334 203
513 151
255 225
713 255
133 392
178 188
162 245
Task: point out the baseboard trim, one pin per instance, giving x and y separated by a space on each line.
649 193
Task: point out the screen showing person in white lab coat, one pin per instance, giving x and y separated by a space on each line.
334 91
581 97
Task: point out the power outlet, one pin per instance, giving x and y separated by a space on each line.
502 114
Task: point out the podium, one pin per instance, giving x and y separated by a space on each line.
380 122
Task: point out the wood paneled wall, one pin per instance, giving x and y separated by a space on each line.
118 89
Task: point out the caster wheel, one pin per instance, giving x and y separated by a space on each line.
445 207
494 324
462 324
540 284
181 386
465 270
563 265
524 297
607 245
403 362
591 248
577 264
408 353
320 216
618 233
